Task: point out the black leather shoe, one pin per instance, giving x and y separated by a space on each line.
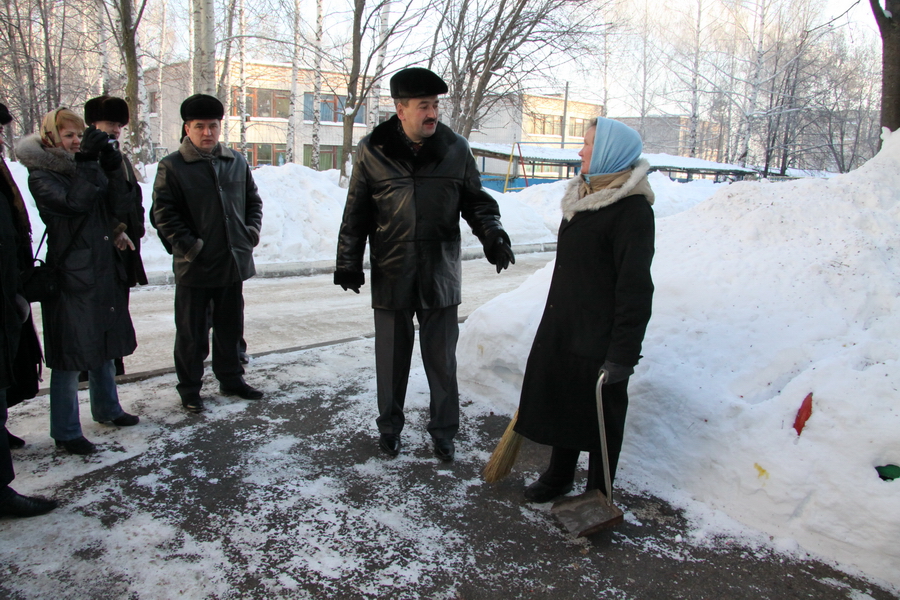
126 420
242 390
192 403
13 504
444 449
389 443
14 442
244 358
539 492
79 445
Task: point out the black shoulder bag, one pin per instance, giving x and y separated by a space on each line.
41 281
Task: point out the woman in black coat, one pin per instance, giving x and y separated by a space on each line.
81 193
596 313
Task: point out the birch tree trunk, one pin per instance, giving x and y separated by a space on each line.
242 77
745 131
292 137
317 89
103 34
159 77
375 94
204 47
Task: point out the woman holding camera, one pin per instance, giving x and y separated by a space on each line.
79 187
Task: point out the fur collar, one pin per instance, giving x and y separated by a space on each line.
190 153
636 184
388 138
32 153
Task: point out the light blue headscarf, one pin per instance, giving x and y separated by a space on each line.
616 147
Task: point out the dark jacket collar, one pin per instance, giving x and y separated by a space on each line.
190 153
388 137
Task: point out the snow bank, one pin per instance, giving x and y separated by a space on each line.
765 293
302 212
671 197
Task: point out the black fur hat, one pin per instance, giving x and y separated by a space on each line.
416 82
5 117
201 106
106 108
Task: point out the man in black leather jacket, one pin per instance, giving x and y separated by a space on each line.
208 213
412 179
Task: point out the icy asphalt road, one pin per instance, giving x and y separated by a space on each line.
290 312
290 498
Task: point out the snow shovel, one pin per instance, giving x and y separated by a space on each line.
591 511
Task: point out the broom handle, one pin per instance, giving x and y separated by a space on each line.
605 452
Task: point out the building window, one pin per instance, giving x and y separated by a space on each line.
258 155
262 103
331 109
546 124
329 157
578 126
154 103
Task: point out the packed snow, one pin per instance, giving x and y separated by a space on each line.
302 212
765 293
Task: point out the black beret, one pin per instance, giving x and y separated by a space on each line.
202 106
416 82
5 117
106 108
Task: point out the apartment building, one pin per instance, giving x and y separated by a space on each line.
526 119
267 106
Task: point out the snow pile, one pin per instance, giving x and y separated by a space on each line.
302 211
671 197
765 293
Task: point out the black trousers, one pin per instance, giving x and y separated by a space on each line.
564 461
7 474
192 334
394 340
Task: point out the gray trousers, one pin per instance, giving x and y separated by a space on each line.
394 339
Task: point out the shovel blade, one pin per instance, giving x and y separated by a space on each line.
587 513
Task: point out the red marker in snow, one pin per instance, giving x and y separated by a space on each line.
804 413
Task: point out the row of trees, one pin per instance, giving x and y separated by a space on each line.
779 86
764 82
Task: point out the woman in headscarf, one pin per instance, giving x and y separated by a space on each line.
80 190
596 313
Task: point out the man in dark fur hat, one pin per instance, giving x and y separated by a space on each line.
412 179
110 115
208 213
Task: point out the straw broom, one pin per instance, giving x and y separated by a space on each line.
504 456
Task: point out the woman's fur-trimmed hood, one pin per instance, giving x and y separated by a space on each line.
32 153
636 184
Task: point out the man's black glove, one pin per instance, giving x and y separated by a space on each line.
349 280
92 143
498 250
615 372
110 156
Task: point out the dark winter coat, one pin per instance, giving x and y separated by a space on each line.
10 319
89 322
597 309
208 214
408 207
20 351
133 223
